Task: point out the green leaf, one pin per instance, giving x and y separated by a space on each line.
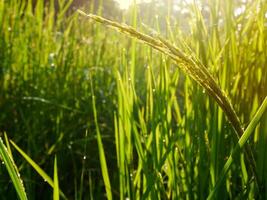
241 142
13 171
37 168
56 186
103 162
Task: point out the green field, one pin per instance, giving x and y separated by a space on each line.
165 100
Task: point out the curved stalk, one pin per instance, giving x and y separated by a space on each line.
191 66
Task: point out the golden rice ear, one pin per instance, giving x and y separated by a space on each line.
191 67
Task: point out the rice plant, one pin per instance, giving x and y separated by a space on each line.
169 105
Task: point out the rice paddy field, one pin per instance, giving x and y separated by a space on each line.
163 100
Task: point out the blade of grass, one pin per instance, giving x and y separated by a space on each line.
8 146
242 141
2 4
13 171
101 150
37 168
56 185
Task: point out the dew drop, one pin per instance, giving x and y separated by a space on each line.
165 167
238 11
51 55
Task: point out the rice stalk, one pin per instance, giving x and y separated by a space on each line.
191 66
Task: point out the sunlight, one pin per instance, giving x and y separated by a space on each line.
125 4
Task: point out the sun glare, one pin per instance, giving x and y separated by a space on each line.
124 4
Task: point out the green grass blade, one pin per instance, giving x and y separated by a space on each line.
8 146
103 162
56 185
242 141
1 11
37 168
13 171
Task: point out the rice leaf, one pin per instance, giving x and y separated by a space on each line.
56 185
37 168
13 171
103 162
242 141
